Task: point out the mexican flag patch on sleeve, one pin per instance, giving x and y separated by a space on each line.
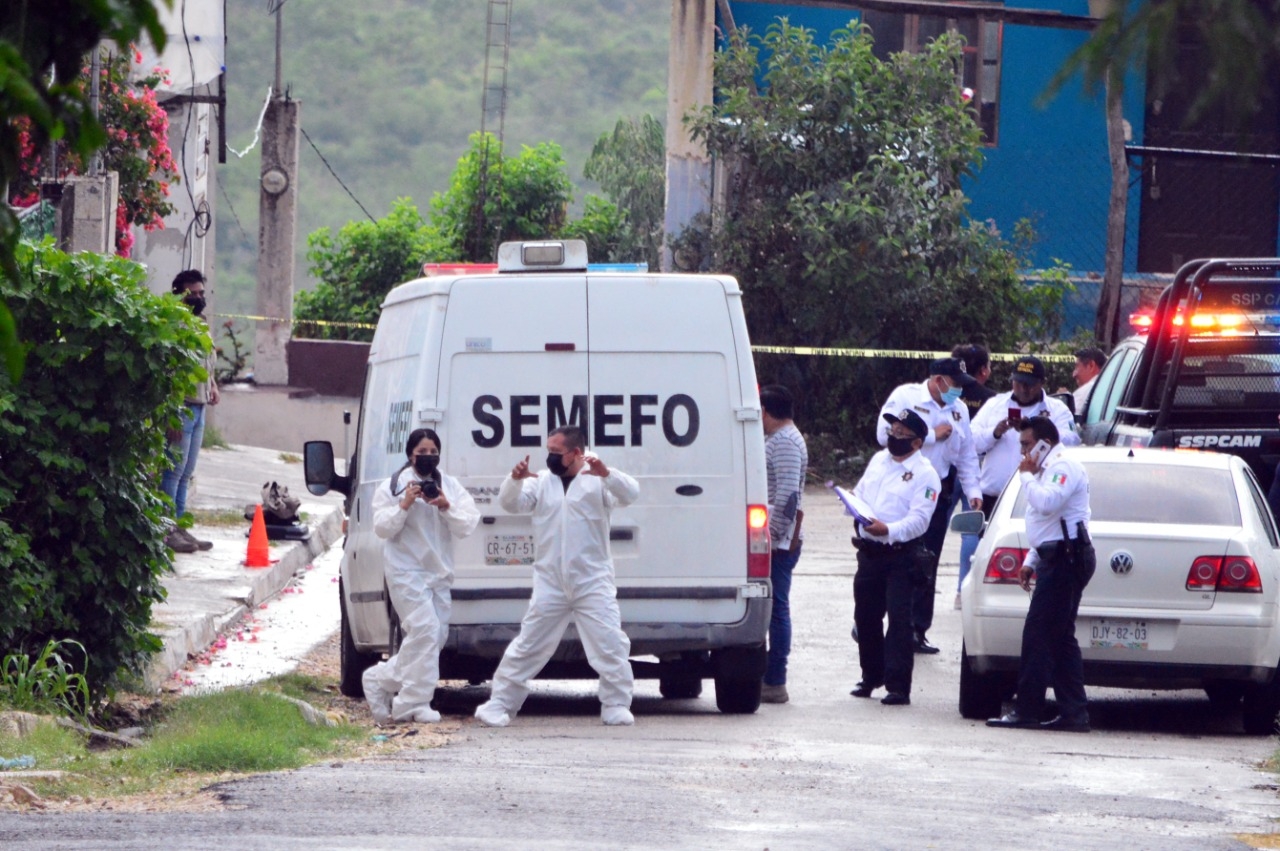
931 494
1058 479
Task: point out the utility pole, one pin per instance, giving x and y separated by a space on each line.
277 223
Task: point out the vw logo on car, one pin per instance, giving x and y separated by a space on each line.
1121 563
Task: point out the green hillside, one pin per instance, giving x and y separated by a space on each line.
391 89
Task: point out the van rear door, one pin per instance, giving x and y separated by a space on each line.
666 392
507 382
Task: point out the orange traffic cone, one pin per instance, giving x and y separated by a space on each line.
259 553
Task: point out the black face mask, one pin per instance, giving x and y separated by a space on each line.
900 446
196 303
425 465
555 463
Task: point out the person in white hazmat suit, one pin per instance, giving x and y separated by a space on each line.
572 576
417 512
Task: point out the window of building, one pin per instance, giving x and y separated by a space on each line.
979 72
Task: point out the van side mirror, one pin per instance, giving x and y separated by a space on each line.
968 522
318 470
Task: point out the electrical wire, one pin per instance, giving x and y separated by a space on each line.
232 208
335 176
257 131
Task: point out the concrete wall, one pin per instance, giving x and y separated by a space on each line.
282 418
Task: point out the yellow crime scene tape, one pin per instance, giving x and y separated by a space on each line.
321 322
895 353
767 350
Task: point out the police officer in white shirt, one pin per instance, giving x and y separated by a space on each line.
948 445
900 488
1062 560
995 428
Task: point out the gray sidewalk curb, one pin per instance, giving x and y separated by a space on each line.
194 633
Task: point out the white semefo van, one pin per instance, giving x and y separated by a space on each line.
657 369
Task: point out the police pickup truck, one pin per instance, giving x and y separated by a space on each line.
1203 371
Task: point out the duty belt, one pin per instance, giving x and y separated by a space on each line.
877 547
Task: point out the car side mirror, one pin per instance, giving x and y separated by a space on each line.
968 522
318 469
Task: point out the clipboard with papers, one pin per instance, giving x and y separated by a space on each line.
853 506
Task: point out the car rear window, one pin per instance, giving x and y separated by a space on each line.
1150 493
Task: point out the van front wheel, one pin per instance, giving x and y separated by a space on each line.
352 662
738 696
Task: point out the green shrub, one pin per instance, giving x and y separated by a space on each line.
49 683
82 442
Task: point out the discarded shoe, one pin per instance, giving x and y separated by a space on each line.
773 694
1062 725
493 714
377 697
617 716
175 540
896 698
1014 721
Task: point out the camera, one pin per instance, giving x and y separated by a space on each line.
430 490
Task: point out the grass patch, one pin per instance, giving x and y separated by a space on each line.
290 458
218 517
193 741
236 731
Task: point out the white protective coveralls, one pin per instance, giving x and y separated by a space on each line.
417 561
572 578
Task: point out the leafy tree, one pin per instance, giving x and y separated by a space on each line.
359 266
137 148
630 166
525 197
844 220
40 42
82 435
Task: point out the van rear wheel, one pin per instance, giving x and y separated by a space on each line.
738 696
352 663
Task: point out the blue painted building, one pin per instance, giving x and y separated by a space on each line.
1048 163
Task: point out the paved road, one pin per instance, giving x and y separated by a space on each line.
825 771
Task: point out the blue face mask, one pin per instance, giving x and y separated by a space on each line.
951 395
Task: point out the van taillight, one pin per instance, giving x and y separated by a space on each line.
757 542
1230 573
1004 565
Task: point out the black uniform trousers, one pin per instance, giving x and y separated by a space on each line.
1050 653
925 587
883 585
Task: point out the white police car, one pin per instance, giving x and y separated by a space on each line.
1185 594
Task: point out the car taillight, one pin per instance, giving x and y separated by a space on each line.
757 542
1004 565
1228 574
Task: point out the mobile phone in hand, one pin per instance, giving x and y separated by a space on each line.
1039 451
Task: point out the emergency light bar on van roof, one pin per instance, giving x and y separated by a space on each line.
435 270
559 256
